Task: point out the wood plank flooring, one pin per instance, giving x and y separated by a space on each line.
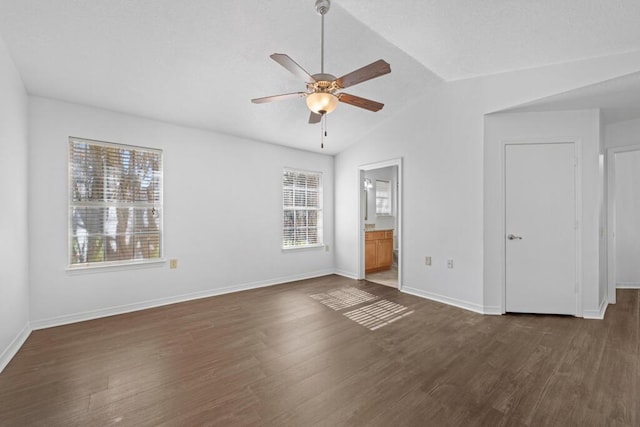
277 357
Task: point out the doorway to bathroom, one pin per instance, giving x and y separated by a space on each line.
380 223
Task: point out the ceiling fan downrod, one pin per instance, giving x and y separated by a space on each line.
322 7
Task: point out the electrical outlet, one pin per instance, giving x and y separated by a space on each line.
427 260
173 263
450 263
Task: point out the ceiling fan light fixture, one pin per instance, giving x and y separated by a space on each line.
322 102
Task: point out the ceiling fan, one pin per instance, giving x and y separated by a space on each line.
324 90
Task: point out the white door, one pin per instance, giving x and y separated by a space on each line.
540 228
627 212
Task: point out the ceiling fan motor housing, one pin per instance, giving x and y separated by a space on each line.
323 83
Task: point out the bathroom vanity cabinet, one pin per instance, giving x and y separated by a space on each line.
378 250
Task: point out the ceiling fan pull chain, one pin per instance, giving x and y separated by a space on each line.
323 137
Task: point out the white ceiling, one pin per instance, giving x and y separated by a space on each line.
459 39
199 62
618 99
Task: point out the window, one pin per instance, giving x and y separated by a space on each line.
115 204
383 198
302 209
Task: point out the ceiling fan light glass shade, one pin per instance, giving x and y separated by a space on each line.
322 102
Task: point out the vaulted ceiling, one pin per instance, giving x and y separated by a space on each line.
199 62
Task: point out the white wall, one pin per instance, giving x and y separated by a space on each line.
222 205
441 187
440 138
14 290
582 127
627 193
622 134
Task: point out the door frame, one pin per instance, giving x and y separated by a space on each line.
611 217
577 144
361 170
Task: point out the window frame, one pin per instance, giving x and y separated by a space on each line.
319 227
157 206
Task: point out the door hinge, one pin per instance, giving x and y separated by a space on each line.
575 161
576 225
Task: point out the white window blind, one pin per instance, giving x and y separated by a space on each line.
302 209
115 203
383 198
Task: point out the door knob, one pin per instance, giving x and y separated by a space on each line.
512 237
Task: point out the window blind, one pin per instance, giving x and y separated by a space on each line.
302 209
115 203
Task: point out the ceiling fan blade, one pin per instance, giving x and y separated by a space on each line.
278 97
292 66
368 72
356 101
314 118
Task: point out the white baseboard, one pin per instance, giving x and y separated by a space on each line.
14 346
628 285
493 311
128 308
347 274
449 301
596 314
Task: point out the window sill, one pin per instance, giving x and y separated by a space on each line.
99 267
303 248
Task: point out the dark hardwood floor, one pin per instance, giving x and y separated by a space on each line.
275 356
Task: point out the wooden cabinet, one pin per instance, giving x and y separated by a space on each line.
378 250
